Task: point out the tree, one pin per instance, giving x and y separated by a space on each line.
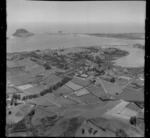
9 112
23 98
15 103
18 96
46 66
112 79
42 93
133 120
55 87
50 89
14 96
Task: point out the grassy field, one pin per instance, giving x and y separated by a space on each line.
21 79
80 81
51 80
97 91
73 86
63 90
11 90
89 98
33 90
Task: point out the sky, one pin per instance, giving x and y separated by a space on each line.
21 12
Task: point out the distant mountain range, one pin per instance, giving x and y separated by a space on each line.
22 33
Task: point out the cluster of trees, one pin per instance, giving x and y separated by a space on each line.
56 60
87 56
115 52
62 65
133 120
98 60
33 59
99 71
49 90
30 96
60 60
14 99
92 49
47 66
56 86
33 55
112 80
16 96
21 58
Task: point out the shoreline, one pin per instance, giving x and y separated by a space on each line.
119 45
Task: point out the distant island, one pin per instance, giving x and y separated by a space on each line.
22 33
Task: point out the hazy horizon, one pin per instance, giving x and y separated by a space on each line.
76 17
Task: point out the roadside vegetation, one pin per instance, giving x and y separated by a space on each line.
49 90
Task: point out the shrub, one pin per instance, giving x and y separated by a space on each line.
46 66
9 112
112 79
133 120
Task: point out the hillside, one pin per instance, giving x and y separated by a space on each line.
22 33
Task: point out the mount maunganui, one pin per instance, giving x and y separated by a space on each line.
22 33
